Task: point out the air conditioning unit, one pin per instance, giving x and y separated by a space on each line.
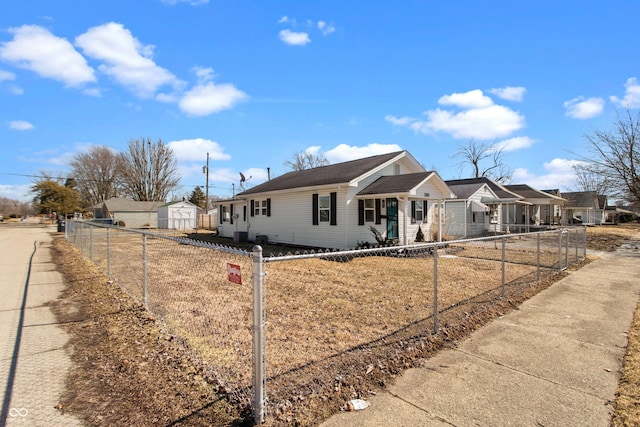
262 239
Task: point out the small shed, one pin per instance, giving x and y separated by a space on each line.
127 213
179 215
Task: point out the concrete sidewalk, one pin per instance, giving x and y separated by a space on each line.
553 362
33 359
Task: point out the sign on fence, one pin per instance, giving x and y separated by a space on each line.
234 273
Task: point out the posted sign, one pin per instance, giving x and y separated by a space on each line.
234 273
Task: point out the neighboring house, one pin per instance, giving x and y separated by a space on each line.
544 208
583 207
481 206
131 213
334 206
178 215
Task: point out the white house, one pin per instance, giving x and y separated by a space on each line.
178 215
481 205
334 206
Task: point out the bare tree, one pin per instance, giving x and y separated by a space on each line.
149 171
96 173
306 160
589 177
615 154
485 159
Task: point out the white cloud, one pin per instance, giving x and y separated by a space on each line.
17 192
286 20
476 116
6 76
313 150
559 174
510 93
208 98
34 48
491 122
195 150
581 108
294 38
325 28
344 152
632 95
399 121
472 99
20 125
125 59
514 144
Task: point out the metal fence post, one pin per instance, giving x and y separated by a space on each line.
259 377
577 240
82 239
559 249
538 256
566 251
585 242
144 269
435 290
504 251
108 252
91 243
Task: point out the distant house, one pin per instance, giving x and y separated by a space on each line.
542 208
481 206
335 206
128 213
583 207
178 215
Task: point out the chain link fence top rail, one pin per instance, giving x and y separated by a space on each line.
329 315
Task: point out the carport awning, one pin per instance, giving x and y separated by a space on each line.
479 207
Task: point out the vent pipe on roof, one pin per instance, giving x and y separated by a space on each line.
268 174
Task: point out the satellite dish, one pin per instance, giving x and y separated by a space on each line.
242 178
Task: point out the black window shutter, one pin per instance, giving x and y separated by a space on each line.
253 207
268 207
378 217
231 212
425 205
413 212
244 213
221 214
360 212
334 208
314 209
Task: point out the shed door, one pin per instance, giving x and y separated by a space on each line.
392 218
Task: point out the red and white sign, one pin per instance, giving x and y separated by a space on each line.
234 273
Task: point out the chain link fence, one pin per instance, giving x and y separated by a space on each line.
315 323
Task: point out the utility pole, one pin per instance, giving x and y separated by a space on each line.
206 194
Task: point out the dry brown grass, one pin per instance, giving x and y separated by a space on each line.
335 330
627 405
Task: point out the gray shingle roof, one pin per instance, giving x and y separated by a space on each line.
500 191
395 184
581 199
464 191
531 193
116 204
324 175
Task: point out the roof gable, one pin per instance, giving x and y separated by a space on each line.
325 175
531 193
396 184
581 199
499 190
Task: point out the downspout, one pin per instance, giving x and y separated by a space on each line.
440 209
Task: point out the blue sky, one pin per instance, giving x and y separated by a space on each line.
254 82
